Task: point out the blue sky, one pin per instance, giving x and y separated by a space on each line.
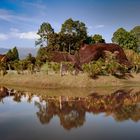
20 19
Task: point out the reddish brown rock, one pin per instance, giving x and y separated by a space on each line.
88 53
3 58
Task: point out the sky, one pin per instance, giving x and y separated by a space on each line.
21 19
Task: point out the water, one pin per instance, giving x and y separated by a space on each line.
33 116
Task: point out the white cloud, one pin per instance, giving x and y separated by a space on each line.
99 26
28 35
15 33
3 36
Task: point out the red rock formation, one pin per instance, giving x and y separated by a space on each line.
89 53
3 58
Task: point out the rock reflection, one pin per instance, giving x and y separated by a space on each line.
121 105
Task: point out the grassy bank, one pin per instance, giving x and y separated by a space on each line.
44 81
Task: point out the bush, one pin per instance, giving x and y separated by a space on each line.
134 58
94 68
105 67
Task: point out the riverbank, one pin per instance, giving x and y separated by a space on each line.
44 81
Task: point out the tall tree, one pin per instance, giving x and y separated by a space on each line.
75 32
68 39
125 39
45 31
15 53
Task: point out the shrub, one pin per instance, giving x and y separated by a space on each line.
94 68
3 68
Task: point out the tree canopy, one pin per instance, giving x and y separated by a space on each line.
68 39
125 39
45 31
98 38
136 32
13 54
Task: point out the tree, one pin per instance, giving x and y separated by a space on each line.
68 39
10 55
30 58
44 32
125 39
15 54
42 54
74 32
98 38
136 32
89 40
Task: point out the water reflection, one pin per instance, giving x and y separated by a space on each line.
121 105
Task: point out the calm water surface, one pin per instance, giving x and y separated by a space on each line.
32 116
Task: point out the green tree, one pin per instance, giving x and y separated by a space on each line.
136 32
125 39
10 55
68 39
30 58
89 40
15 53
98 38
74 32
42 54
45 31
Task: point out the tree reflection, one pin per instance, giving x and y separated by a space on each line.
121 105
3 93
71 111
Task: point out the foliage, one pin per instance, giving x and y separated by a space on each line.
38 65
75 32
134 58
136 32
3 68
13 54
105 67
55 67
125 39
98 38
30 58
94 68
42 54
68 39
19 66
45 31
89 40
51 66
